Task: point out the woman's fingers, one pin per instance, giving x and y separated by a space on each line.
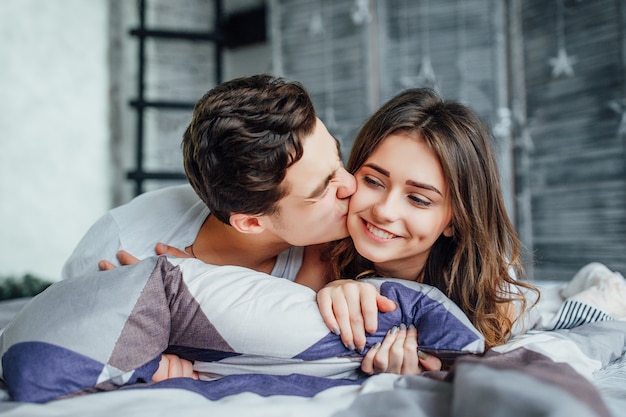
410 359
384 304
381 359
429 362
349 308
367 365
397 351
325 305
341 312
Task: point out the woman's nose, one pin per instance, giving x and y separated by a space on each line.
383 210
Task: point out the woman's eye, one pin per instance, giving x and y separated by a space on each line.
372 181
419 201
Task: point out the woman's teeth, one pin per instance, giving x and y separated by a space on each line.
379 233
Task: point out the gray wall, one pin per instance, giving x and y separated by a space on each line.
576 176
560 136
54 136
67 130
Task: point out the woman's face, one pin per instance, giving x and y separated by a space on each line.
401 206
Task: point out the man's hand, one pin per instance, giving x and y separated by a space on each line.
398 354
171 366
350 309
123 257
163 249
126 258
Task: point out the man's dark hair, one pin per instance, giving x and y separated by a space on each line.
244 135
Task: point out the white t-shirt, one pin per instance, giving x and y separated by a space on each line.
171 215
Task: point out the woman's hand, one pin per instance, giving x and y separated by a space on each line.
171 366
350 309
398 354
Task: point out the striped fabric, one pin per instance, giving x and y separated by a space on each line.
107 330
575 313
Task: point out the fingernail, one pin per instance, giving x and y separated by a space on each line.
101 265
422 355
411 326
393 330
350 346
377 345
360 349
403 327
336 331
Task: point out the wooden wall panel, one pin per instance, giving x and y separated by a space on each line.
323 46
578 173
565 178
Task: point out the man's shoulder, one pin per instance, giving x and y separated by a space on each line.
176 195
173 201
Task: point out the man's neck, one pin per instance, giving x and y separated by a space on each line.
220 244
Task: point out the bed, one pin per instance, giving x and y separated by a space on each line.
571 363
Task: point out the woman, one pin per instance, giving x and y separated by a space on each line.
428 208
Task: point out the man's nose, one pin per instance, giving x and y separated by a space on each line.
347 184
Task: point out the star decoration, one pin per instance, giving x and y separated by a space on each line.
427 73
619 107
562 64
408 81
503 127
425 78
316 26
360 12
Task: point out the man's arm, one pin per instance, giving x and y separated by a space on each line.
171 366
125 258
314 271
102 241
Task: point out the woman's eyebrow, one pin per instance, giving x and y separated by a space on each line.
424 186
377 168
412 183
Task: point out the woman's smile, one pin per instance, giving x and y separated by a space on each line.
377 232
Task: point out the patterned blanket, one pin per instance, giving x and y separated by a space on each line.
575 371
108 330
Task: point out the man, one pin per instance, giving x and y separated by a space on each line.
269 187
268 181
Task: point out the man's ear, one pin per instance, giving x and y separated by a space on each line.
246 223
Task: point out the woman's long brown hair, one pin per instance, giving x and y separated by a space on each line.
479 267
